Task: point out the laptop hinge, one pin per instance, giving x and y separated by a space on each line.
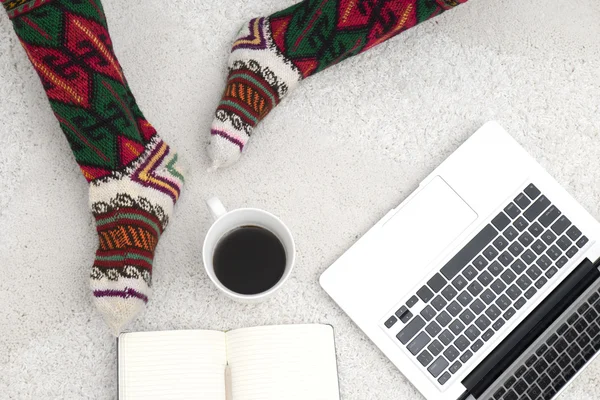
531 328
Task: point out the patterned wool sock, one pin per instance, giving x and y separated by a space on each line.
133 176
271 55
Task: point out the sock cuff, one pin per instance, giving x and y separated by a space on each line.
15 8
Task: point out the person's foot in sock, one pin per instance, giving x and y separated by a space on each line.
133 175
271 55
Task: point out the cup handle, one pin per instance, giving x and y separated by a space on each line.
216 208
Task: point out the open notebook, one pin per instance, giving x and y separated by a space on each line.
281 362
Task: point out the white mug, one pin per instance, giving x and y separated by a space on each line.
227 221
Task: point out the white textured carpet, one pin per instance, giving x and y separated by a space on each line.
345 147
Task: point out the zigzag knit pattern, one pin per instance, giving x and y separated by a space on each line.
271 55
133 175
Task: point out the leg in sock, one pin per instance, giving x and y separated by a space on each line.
271 55
133 176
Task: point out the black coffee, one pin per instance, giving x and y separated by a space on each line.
249 260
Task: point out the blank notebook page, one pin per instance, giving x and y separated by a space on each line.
173 365
287 362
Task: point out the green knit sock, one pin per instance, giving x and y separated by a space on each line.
271 55
133 175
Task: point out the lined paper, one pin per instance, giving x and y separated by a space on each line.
173 365
285 362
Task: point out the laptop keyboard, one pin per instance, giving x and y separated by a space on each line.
553 363
486 283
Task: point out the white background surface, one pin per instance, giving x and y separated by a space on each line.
346 146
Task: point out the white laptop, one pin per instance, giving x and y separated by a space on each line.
483 283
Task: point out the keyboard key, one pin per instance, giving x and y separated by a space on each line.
490 253
525 239
561 225
476 346
401 311
564 242
466 254
425 358
562 329
438 302
522 201
419 343
482 322
571 252
467 317
436 283
536 208
499 393
444 378
501 221
510 233
438 366
475 288
425 294
488 335
459 282
461 343
528 256
449 292
551 272
543 262
573 233
532 191
477 306
466 356
543 381
539 247
433 329
446 337
548 237
498 324
508 276
570 336
514 292
536 229
510 395
492 312
549 216
534 392
582 241
455 367
412 301
541 350
509 382
530 292
503 302
435 348
519 372
485 278
488 296
390 322
454 308
512 210
530 361
593 298
464 298
498 286
410 330
495 268
443 318
520 303
518 266
428 313
515 249
451 353
470 273
520 387
520 223
480 263
590 316
553 252
524 282
509 313
505 258
541 282
456 327
406 317
530 376
472 332
534 272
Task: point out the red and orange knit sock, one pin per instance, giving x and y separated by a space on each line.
133 176
271 55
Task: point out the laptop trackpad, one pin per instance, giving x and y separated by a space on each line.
426 225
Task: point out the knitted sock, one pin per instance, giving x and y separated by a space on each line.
133 177
271 55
